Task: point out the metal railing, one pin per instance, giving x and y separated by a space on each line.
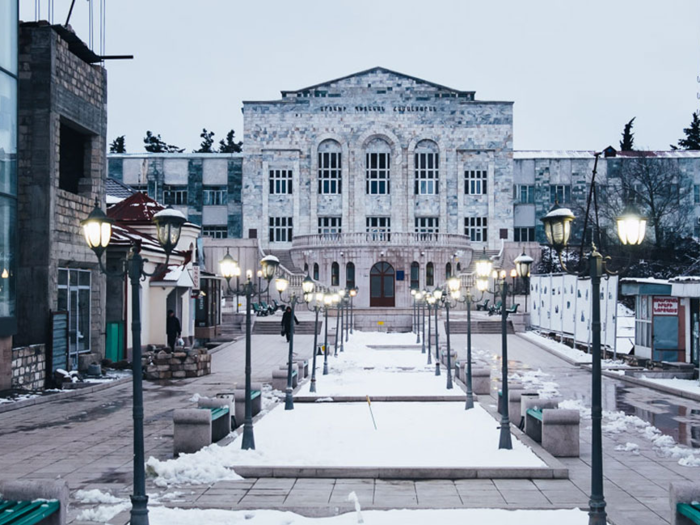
450 240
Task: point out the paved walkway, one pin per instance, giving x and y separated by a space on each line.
87 441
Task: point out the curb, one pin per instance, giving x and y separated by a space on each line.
379 399
544 347
64 395
654 386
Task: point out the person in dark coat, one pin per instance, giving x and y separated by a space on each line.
173 329
287 322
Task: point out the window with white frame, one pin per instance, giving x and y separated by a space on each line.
525 194
280 182
642 329
175 195
378 167
426 164
215 232
280 229
475 182
75 296
559 193
426 227
329 225
329 168
214 195
379 227
475 228
524 234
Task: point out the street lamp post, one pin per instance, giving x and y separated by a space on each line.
522 266
318 305
353 294
97 229
229 268
327 302
414 322
336 302
631 229
437 295
429 301
282 286
446 303
420 320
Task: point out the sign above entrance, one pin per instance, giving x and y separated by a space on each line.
665 306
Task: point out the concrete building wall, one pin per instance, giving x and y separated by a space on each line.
63 122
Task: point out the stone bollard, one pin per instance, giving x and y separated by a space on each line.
560 434
682 492
481 381
30 490
192 430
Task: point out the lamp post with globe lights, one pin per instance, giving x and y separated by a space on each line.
523 262
307 287
318 302
97 229
631 230
429 302
353 294
327 303
437 297
230 268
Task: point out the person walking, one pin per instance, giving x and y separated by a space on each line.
287 322
173 329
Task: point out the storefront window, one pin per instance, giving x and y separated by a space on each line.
74 297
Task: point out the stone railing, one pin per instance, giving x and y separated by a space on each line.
449 240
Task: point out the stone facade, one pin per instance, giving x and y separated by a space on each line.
62 144
29 367
177 365
211 183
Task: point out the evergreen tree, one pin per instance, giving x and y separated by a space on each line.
154 144
627 142
207 142
118 145
230 145
692 134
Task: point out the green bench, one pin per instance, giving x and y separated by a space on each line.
513 309
239 400
483 306
217 412
537 414
689 510
26 512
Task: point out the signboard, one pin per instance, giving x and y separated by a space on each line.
665 306
195 277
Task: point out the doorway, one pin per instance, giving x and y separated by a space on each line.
382 285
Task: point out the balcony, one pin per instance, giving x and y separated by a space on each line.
381 239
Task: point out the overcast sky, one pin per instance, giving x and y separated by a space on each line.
577 71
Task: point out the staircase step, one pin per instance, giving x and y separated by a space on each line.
480 327
272 327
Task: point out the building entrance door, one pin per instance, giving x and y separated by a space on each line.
382 285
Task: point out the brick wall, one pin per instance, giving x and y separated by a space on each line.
29 367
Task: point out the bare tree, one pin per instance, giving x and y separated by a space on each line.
659 189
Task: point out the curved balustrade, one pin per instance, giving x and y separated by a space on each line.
448 240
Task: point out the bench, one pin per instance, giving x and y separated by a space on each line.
443 357
303 366
196 428
279 378
495 309
513 309
33 501
482 306
239 402
259 311
683 497
533 415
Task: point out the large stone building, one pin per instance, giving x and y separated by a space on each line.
386 182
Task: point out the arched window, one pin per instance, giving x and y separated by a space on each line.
426 168
429 274
378 167
350 275
335 274
415 275
306 268
329 168
316 271
448 271
459 267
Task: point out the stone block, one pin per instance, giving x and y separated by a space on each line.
560 432
682 492
191 430
30 490
179 374
481 381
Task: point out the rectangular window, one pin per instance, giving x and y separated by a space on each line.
426 227
475 229
215 195
525 194
329 225
280 182
74 148
524 234
426 174
378 169
559 193
329 174
475 182
280 229
379 228
696 193
215 232
176 195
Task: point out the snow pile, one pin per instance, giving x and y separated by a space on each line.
195 398
17 397
111 505
205 466
166 516
628 447
686 385
537 380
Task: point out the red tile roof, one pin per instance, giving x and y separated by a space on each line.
138 208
